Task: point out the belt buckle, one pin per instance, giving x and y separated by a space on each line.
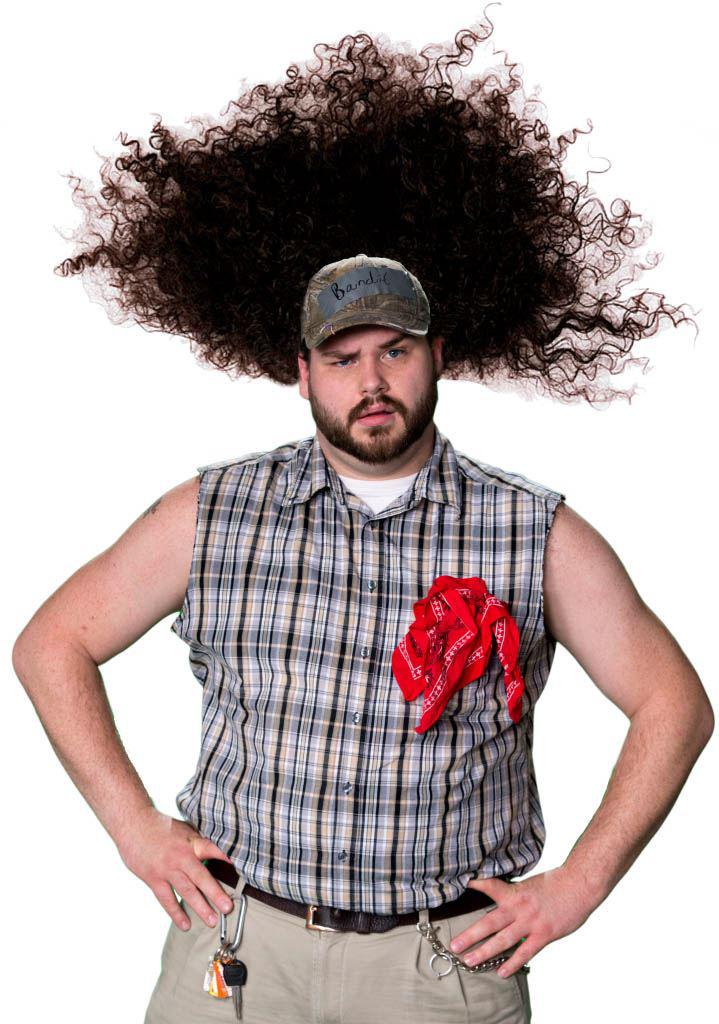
309 921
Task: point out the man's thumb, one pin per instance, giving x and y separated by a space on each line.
204 847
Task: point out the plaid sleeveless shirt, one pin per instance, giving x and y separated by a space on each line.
311 777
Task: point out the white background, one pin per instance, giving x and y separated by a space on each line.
99 420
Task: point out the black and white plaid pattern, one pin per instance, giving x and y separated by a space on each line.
311 776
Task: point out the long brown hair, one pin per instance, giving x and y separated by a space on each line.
373 147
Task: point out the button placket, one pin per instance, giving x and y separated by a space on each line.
365 558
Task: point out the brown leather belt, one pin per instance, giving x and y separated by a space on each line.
335 919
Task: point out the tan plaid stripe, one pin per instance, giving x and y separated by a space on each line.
311 776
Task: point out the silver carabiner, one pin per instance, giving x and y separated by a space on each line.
238 930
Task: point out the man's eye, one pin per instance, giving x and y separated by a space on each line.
339 362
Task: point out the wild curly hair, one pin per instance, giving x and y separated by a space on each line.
374 148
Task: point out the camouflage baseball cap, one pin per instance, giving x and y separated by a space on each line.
362 290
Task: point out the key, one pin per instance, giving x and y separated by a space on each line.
234 972
235 975
237 1001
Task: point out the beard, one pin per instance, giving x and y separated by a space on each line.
380 443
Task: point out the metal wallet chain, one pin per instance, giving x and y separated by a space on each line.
430 933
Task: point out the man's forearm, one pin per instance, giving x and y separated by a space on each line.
662 744
68 693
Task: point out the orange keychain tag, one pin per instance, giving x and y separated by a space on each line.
218 989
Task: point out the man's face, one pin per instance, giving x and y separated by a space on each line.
361 368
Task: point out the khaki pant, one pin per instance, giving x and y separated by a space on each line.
299 976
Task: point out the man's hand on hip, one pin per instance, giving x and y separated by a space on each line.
167 853
539 910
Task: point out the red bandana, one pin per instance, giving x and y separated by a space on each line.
450 642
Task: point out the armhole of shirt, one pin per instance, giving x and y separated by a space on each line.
180 624
187 622
551 500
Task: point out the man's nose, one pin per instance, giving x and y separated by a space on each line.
372 378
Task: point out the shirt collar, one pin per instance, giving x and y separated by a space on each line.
437 479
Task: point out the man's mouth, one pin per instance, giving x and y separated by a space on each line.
379 415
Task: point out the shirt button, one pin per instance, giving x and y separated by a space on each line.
356 717
364 651
346 787
342 856
371 585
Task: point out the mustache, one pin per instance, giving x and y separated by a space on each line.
388 406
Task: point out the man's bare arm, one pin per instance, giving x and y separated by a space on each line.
102 609
593 609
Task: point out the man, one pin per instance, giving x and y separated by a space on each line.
346 843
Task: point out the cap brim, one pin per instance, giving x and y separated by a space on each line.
360 319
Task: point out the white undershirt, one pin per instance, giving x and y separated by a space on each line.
378 494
